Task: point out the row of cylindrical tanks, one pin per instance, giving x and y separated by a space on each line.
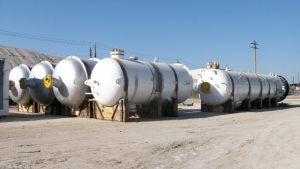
110 79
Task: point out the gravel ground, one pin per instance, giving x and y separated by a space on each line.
267 138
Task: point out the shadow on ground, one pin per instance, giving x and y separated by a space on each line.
18 117
187 113
183 114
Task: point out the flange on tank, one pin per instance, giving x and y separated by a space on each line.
16 93
111 78
35 84
67 80
215 87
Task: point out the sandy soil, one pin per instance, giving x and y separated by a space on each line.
268 138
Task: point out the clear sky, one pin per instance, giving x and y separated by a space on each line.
193 31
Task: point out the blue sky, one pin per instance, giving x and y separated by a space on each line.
194 31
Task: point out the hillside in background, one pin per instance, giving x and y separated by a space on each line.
18 56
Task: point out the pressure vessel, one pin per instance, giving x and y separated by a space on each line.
111 77
16 93
34 83
67 80
216 86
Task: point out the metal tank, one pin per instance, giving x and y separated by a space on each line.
16 93
215 87
110 77
35 83
67 80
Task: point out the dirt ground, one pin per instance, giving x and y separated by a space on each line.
267 138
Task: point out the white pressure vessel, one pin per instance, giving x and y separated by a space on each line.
34 83
215 87
16 93
68 80
110 77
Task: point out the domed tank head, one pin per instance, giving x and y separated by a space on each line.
35 83
282 88
214 86
107 82
68 80
185 81
16 93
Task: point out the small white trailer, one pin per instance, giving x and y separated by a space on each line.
4 87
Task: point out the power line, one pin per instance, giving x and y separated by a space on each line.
73 42
45 38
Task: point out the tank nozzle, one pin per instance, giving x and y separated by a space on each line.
23 83
12 85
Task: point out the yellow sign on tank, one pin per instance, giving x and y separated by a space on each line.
48 81
205 87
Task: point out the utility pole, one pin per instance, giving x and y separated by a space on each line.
91 52
95 51
254 46
298 79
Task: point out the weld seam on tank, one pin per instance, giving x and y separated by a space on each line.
152 70
125 76
261 87
176 80
156 74
249 85
233 86
269 91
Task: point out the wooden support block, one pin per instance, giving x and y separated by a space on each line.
246 105
118 112
227 107
152 109
33 107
